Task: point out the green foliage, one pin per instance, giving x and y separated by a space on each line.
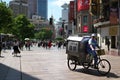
23 28
59 39
44 34
6 18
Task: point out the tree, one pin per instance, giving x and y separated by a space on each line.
23 28
6 18
48 33
44 34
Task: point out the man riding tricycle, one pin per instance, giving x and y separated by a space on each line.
82 51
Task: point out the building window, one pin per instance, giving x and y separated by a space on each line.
105 9
85 20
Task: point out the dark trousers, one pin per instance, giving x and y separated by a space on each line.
94 54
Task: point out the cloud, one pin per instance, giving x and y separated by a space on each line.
60 2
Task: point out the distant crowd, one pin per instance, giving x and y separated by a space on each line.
17 46
48 44
28 44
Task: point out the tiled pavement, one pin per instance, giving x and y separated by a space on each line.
50 64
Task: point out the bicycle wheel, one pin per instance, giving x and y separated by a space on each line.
104 67
89 60
86 65
71 64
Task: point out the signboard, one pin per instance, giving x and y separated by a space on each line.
85 28
73 46
113 16
113 31
71 12
82 5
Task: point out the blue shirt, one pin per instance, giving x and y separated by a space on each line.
92 42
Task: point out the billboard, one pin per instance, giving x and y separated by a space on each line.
83 5
85 28
71 11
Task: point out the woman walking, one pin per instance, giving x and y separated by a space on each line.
16 48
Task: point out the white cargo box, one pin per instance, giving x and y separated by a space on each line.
76 46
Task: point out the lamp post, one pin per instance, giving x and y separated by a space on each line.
0 37
119 28
75 22
63 26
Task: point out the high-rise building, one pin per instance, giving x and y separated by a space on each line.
65 19
42 8
19 7
65 12
32 8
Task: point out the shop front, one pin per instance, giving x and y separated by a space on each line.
108 33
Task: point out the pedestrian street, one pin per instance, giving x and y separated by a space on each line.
50 64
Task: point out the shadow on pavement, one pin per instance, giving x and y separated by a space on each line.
1 56
17 56
95 73
8 73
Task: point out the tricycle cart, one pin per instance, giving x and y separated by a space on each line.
77 55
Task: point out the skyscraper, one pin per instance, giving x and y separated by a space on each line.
32 8
65 12
42 8
19 7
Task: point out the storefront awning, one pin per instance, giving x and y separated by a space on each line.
101 23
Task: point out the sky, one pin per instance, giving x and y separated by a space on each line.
54 8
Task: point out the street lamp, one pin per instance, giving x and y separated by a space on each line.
119 28
1 37
63 26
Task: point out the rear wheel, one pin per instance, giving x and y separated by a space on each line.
86 65
71 64
89 60
104 67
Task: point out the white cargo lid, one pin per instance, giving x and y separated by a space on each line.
74 38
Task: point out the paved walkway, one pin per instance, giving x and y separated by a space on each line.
50 64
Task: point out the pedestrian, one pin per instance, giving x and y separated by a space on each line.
0 48
59 44
64 44
108 44
92 44
28 45
49 44
16 48
4 46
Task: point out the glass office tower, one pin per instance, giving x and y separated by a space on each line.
42 8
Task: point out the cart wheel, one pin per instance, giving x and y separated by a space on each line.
104 67
86 65
72 64
88 62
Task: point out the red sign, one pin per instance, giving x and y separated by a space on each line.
113 16
71 11
85 28
82 5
